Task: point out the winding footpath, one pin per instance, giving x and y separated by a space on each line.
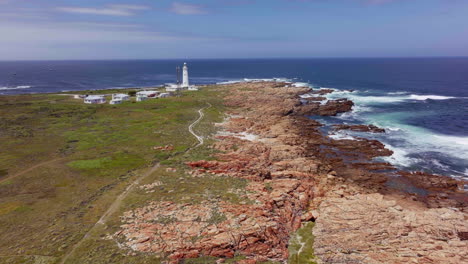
29 169
199 138
118 201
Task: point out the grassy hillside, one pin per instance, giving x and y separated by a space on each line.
62 163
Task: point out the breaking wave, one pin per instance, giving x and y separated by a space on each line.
361 97
414 147
258 80
16 87
369 100
419 148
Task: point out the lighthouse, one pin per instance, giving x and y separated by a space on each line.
176 87
185 80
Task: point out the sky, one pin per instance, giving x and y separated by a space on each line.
161 29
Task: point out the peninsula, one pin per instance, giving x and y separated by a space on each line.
236 173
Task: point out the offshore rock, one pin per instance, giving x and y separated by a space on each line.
330 108
360 128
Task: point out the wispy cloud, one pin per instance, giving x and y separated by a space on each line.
372 2
187 9
110 10
378 2
22 33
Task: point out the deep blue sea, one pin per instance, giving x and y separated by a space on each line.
421 102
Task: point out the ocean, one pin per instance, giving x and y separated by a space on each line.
421 102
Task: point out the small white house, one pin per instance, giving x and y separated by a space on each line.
164 95
95 99
119 98
172 87
145 95
193 88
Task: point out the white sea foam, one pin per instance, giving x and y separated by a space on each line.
281 79
461 141
268 80
439 165
432 97
398 93
230 82
341 135
399 156
356 113
290 82
413 141
372 100
300 84
413 147
16 87
391 128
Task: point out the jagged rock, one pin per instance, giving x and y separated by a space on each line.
360 128
296 174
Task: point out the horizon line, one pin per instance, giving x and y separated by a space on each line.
242 58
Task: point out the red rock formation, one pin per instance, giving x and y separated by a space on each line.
330 108
297 174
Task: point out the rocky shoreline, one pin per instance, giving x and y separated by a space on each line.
364 211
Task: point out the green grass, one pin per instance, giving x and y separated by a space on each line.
107 166
102 148
89 164
301 245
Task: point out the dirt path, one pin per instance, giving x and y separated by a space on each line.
29 169
199 138
118 201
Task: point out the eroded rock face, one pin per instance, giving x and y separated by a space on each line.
259 229
322 91
296 174
372 228
330 108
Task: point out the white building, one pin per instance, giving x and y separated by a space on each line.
145 95
95 99
164 95
119 98
185 78
172 87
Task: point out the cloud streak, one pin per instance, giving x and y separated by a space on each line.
111 10
187 9
372 2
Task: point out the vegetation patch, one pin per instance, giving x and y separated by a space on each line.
90 164
97 152
301 245
6 208
216 217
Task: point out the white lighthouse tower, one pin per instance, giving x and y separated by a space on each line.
185 79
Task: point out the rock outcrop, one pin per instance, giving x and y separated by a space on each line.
296 174
360 128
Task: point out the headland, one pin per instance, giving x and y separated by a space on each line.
267 186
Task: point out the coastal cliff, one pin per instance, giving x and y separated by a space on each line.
364 211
